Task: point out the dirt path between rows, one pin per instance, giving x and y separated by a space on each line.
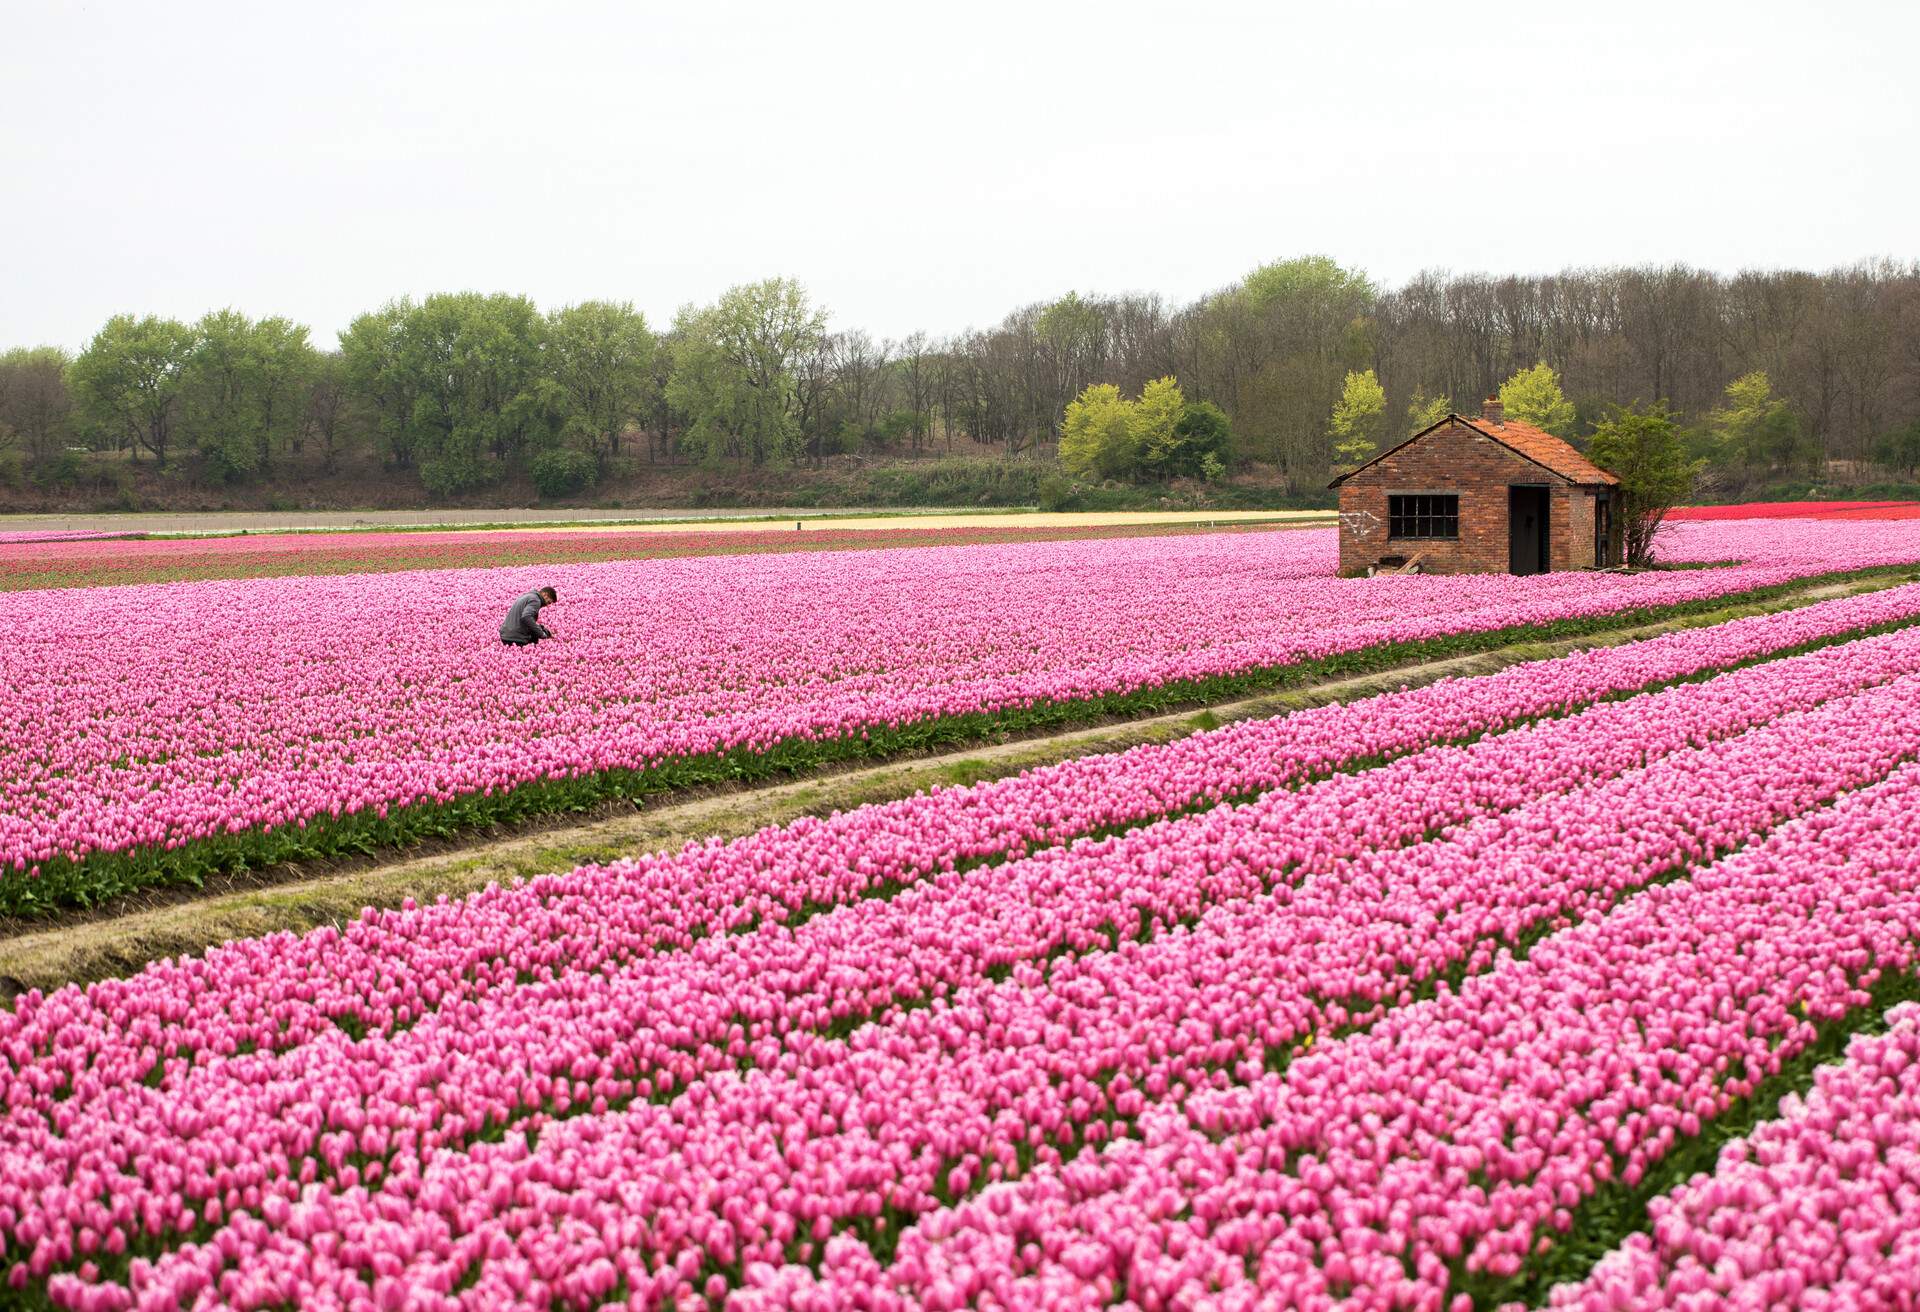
185 921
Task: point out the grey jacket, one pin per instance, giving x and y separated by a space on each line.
523 619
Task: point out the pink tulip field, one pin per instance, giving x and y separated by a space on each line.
1818 1209
1437 1156
165 731
1590 983
77 558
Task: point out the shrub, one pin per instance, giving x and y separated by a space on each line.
451 477
1201 439
64 469
562 472
1900 450
1056 492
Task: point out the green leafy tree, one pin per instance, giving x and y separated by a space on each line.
705 394
734 370
903 426
330 414
480 398
1900 449
1356 421
662 420
376 375
242 389
1309 282
36 407
1073 332
1533 396
1158 435
1274 351
216 394
1643 449
1096 437
128 381
1425 411
285 361
886 433
1754 430
1154 422
600 353
459 382
1203 443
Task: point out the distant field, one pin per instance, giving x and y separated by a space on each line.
1842 510
77 561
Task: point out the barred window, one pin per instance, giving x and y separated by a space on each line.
1423 516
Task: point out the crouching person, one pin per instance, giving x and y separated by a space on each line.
522 627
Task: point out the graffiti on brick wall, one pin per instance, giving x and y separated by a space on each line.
1360 523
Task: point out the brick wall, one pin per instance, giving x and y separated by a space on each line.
1573 549
1458 460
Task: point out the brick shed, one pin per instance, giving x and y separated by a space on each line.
1478 496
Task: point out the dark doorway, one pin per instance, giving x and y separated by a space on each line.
1527 551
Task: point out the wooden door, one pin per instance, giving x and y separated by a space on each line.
1527 531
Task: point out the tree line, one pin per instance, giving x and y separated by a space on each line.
1298 367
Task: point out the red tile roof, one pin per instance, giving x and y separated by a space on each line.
1535 444
1543 448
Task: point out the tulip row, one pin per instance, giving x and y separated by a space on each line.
387 969
581 1048
163 732
1056 1060
1441 1157
1819 1209
862 1138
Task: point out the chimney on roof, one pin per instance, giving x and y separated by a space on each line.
1492 411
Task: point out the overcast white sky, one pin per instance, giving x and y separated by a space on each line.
919 165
